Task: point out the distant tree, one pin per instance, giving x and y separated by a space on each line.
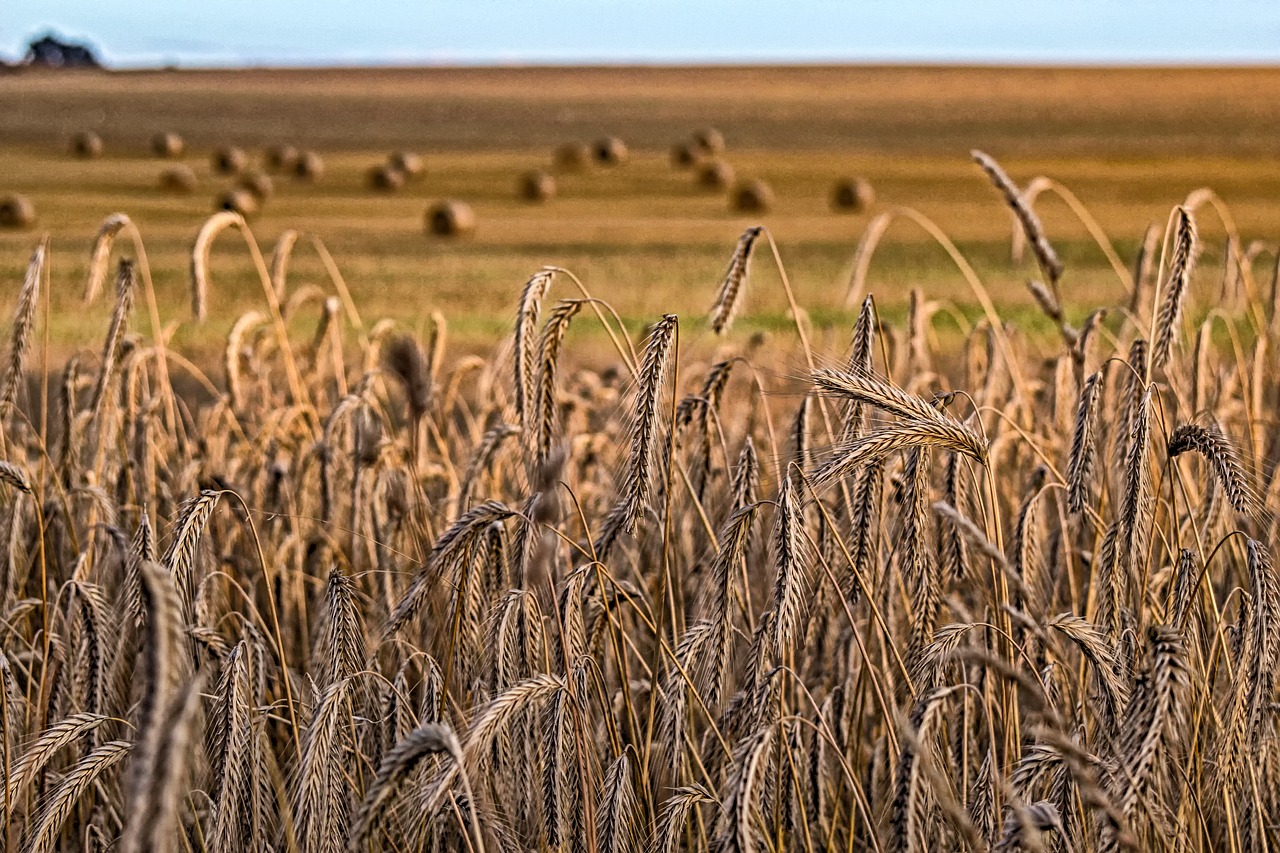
49 51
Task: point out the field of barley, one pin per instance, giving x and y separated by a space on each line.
633 522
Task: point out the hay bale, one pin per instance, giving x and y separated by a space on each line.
753 196
86 145
17 211
709 140
537 186
385 178
168 145
610 151
450 219
259 184
237 201
229 160
573 156
179 180
685 155
853 195
309 167
406 163
280 157
716 175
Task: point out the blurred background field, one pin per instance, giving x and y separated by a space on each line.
1131 143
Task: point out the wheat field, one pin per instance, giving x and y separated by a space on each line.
344 589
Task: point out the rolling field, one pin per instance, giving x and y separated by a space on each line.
442 559
1129 143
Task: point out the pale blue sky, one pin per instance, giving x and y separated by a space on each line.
236 32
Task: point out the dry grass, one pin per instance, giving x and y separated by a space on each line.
938 597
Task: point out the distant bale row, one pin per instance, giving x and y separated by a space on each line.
853 194
385 178
398 169
610 151
169 146
86 145
407 162
537 186
716 175
708 142
178 180
17 211
280 157
450 219
308 167
237 200
753 196
576 156
229 160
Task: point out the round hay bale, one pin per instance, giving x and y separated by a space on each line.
407 163
853 195
709 140
259 184
385 178
179 180
237 201
450 219
573 156
716 175
86 145
309 167
685 155
753 196
17 211
168 145
229 160
610 151
537 186
280 157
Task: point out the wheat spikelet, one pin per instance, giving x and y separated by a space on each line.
1040 245
321 801
860 364
615 818
125 283
1223 460
675 815
403 359
231 738
1084 445
409 752
460 534
160 671
542 409
100 254
535 289
637 485
1153 716
74 786
909 806
733 285
15 477
24 319
945 434
180 556
280 256
208 232
1169 316
52 740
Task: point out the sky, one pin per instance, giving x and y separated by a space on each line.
441 32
